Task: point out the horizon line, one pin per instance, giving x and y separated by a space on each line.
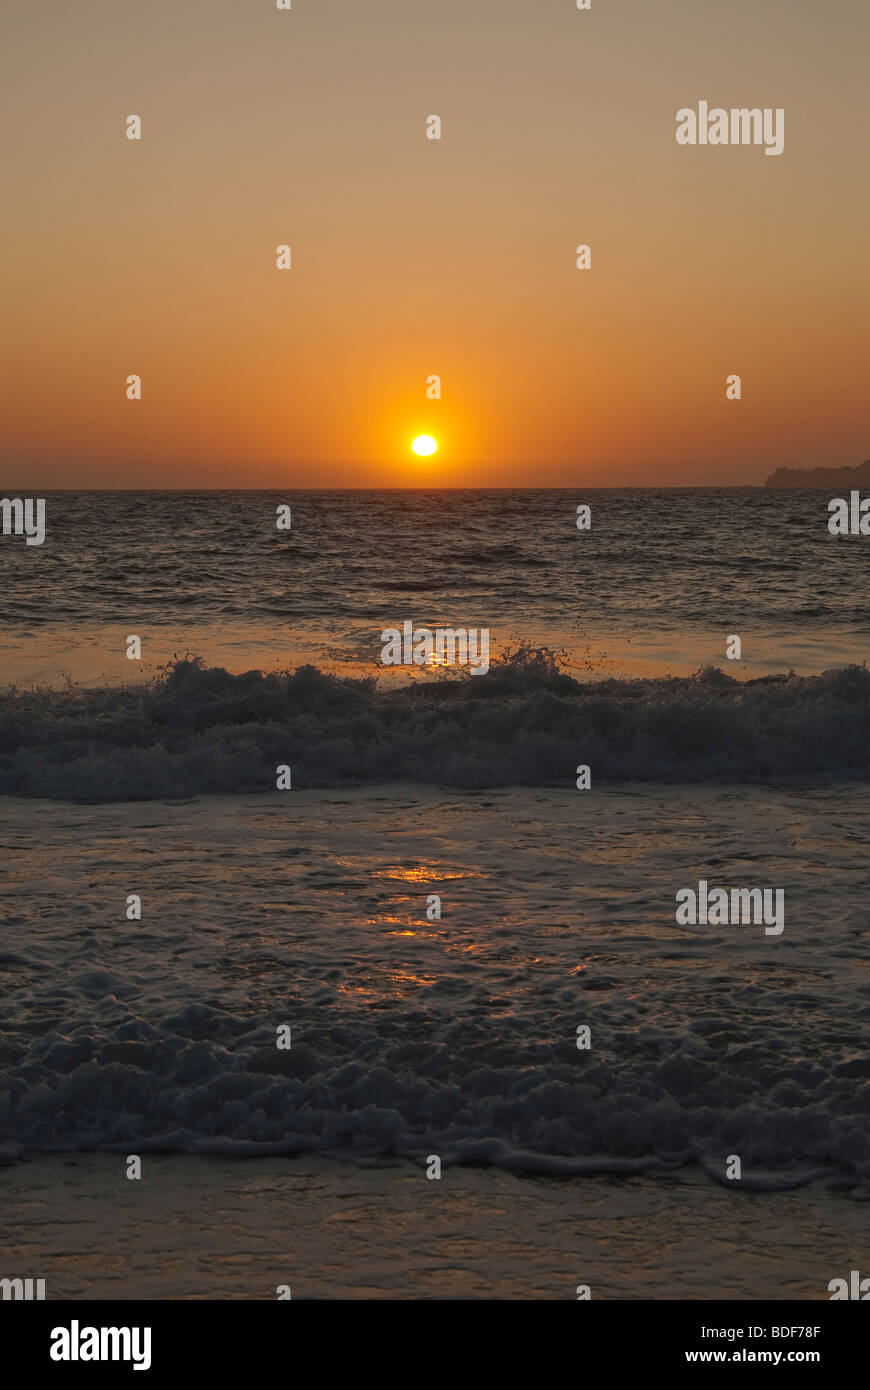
526 487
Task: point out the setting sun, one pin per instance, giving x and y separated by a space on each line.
424 444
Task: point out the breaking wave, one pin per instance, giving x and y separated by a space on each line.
204 1081
199 730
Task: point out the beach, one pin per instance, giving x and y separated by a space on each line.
295 930
454 1037
212 1228
434 689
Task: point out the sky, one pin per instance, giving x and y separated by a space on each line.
413 257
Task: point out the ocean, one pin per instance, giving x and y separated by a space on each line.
262 646
422 1031
654 586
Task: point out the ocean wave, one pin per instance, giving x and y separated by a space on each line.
205 1081
199 730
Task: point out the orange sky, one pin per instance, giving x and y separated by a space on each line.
413 257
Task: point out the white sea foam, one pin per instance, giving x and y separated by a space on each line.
200 731
454 1037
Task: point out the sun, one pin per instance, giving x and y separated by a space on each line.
424 444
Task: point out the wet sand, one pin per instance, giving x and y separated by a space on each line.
198 1228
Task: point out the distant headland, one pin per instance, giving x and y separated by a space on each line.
821 477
